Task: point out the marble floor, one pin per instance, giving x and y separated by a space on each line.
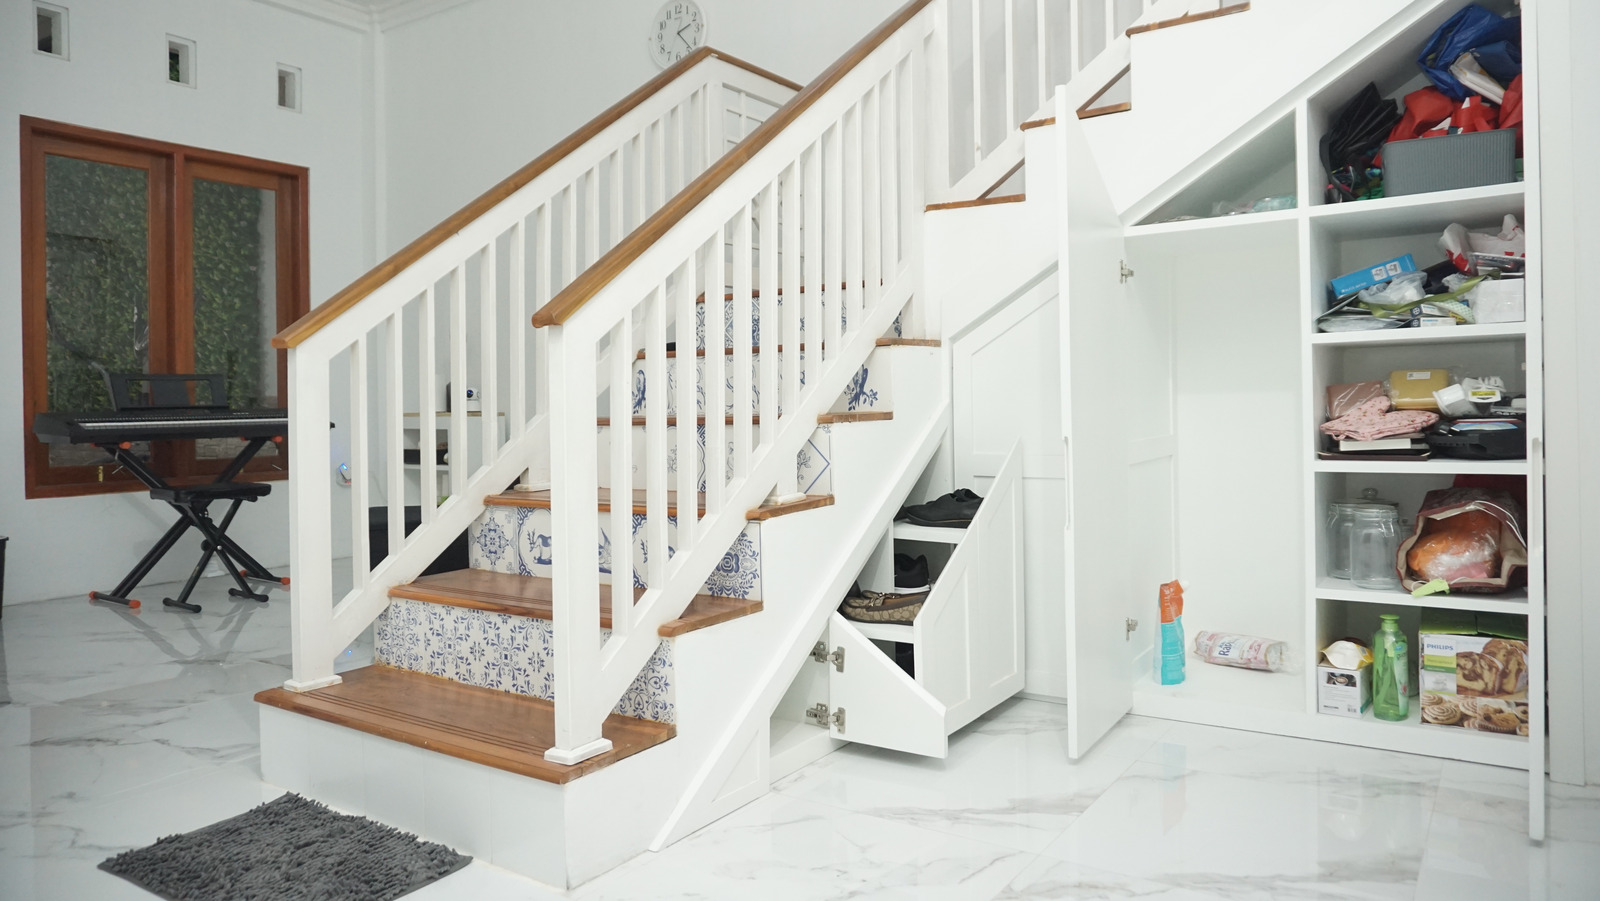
117 728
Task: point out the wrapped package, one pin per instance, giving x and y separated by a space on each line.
1472 538
1246 651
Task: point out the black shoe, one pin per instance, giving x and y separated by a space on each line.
909 574
954 510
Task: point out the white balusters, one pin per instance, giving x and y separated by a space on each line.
793 299
573 211
655 450
517 332
743 390
688 433
621 433
427 408
459 450
394 395
715 371
488 348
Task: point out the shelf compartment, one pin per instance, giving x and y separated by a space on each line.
1417 212
905 531
1262 165
1425 467
898 632
1329 589
1408 337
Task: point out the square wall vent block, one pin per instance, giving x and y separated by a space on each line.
50 29
180 60
288 87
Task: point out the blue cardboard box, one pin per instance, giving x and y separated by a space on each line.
1372 275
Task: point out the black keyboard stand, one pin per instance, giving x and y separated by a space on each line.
192 505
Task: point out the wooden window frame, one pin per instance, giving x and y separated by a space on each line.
171 170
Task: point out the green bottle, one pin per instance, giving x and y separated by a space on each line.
1391 671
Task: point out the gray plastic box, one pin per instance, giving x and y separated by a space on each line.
1448 162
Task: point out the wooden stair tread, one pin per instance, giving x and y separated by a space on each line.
910 342
481 725
773 511
857 416
540 500
1094 112
1031 124
533 596
981 201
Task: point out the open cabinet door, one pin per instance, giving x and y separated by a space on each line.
880 705
1096 443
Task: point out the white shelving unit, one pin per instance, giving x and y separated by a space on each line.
1197 390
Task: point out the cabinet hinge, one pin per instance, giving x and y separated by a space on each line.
1132 624
819 653
1126 273
818 713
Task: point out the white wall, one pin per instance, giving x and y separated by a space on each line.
474 92
116 80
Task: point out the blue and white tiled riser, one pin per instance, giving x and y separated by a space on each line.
867 390
507 653
812 464
516 540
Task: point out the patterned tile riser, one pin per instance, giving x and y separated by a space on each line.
866 390
507 653
895 331
516 540
813 466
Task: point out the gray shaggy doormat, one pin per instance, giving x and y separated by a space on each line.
290 849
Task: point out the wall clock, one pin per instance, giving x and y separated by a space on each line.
677 30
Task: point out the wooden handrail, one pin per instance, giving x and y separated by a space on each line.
1184 20
329 310
609 266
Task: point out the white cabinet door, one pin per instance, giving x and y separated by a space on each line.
969 634
1096 430
881 705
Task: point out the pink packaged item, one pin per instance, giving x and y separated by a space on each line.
1376 419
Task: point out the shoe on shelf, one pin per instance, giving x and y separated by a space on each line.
910 574
952 511
882 606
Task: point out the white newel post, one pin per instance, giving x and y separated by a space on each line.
575 521
310 521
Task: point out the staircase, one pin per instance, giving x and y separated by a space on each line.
723 248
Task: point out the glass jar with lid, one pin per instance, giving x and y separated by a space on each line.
1374 546
1339 521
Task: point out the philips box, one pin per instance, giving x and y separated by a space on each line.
1349 284
1343 692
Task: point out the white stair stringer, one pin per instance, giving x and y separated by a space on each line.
731 678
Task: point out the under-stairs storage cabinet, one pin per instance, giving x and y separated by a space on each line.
909 686
1194 382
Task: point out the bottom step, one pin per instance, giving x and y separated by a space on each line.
493 728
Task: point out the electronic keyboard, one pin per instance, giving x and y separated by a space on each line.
157 424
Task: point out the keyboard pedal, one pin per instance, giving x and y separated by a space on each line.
240 593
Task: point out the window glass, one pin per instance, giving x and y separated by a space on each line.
97 285
236 297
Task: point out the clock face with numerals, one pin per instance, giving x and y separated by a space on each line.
678 30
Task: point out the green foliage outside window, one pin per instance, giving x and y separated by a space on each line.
97 282
227 288
97 247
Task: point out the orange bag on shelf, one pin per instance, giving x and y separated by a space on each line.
1471 538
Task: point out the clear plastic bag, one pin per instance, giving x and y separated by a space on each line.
1245 651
